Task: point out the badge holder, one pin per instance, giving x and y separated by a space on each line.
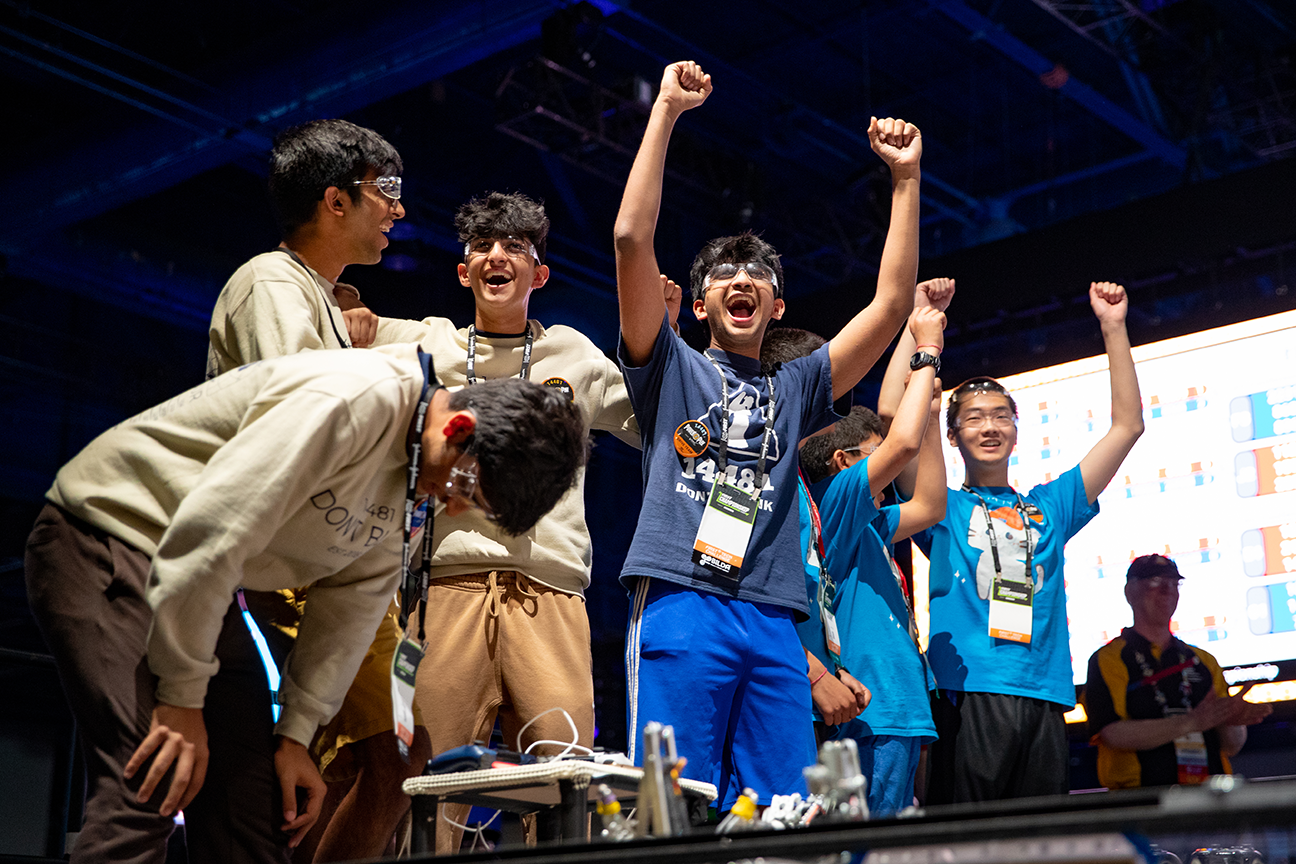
405 665
726 529
1190 754
1011 609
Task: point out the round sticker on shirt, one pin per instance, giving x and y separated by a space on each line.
692 438
562 387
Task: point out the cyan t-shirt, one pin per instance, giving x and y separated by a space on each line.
679 384
962 653
872 613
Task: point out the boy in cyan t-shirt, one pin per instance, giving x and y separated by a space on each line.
714 567
849 468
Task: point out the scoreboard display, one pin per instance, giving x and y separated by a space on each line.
1211 484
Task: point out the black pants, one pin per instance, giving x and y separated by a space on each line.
994 746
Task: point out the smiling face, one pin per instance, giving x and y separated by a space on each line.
501 277
368 219
988 445
1154 600
738 310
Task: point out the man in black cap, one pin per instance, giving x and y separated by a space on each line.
1158 708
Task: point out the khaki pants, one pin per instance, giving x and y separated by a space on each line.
503 645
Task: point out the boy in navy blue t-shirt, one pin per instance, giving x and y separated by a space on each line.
714 566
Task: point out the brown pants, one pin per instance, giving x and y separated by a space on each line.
503 645
86 590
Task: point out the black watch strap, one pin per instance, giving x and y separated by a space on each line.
922 358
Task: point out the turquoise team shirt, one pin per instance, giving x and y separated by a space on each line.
962 654
872 615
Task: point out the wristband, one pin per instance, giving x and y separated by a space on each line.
921 347
820 678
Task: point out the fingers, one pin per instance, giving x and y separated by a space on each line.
1109 292
693 85
297 824
892 132
171 747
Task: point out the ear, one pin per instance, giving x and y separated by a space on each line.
333 201
540 277
1128 586
839 460
460 425
699 310
779 308
952 436
463 276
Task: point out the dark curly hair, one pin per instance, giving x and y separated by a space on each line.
530 441
816 453
504 214
308 159
733 250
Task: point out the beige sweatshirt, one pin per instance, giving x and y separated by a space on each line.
556 552
270 307
286 471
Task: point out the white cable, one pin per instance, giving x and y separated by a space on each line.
478 832
567 752
570 722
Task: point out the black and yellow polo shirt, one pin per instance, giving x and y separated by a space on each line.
1117 689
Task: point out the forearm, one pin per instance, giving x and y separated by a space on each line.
893 382
1127 402
1146 734
929 492
1232 739
901 444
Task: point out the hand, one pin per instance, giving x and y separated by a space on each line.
674 296
1244 713
897 142
180 736
1109 302
835 701
862 694
1212 711
297 770
684 86
362 326
934 292
928 327
936 398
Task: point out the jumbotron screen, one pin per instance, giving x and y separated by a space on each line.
1211 484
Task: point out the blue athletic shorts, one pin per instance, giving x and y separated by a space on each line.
731 677
890 763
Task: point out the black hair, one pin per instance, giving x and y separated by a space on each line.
817 451
308 159
504 214
783 344
974 387
529 441
733 250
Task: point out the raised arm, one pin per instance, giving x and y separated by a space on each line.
1099 466
861 342
901 443
639 287
929 492
936 293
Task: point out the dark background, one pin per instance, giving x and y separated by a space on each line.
1143 141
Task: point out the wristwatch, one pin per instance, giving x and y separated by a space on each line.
922 358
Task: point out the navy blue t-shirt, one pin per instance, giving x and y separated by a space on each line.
679 384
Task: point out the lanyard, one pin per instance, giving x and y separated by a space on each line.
1020 507
414 586
815 525
722 456
1152 678
472 353
294 256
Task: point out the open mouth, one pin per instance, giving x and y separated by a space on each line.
498 279
741 307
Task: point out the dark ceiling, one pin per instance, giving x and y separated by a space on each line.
1146 141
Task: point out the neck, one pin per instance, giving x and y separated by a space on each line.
986 475
1156 633
319 254
496 321
751 351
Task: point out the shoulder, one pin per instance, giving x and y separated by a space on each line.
568 339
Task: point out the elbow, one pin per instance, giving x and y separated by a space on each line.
626 238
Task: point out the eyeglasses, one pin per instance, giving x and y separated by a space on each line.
462 484
1001 419
755 270
389 186
512 246
863 451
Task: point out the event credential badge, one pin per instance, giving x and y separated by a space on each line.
405 665
1011 611
726 528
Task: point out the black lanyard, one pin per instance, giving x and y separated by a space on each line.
722 455
294 256
1185 686
414 586
1020 507
472 353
